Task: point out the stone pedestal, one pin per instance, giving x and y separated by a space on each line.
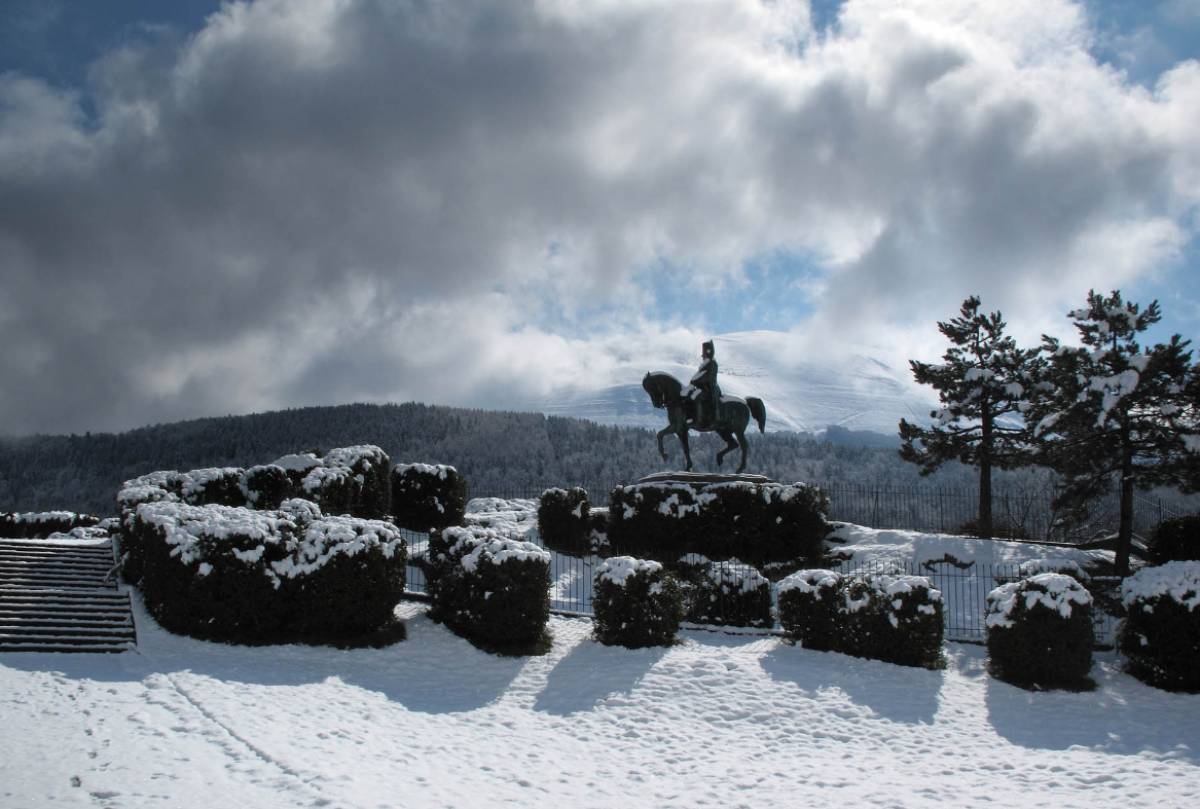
698 480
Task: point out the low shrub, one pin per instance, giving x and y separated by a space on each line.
809 608
635 603
214 486
371 468
349 480
653 520
1039 632
897 619
1176 540
490 589
1160 636
730 593
238 574
761 523
41 524
564 521
266 486
297 465
156 487
426 496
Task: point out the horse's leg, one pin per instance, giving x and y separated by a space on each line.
745 451
730 445
687 452
664 431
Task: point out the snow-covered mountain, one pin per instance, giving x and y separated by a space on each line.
801 393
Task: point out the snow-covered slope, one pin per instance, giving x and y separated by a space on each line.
804 393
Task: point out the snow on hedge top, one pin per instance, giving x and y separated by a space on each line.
618 569
195 481
810 581
498 550
897 585
1177 581
510 518
319 477
297 462
365 456
736 576
39 517
1054 591
198 535
440 471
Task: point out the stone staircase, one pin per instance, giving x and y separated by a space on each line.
62 596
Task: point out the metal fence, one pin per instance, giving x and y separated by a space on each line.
1018 513
964 588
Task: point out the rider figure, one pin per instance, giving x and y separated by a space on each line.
704 390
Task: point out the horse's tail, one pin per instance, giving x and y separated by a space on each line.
758 410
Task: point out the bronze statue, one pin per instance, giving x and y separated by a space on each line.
702 408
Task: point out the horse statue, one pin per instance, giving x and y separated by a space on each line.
733 415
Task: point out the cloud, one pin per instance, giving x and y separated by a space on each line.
310 202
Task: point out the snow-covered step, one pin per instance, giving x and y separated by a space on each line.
61 596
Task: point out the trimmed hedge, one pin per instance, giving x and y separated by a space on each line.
1039 632
351 480
1160 636
1176 540
214 486
266 486
901 621
897 619
564 521
41 524
426 496
488 588
809 608
236 574
635 603
756 522
729 593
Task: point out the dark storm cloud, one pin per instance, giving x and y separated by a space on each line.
315 202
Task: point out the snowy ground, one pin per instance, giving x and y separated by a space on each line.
715 721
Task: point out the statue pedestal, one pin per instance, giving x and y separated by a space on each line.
700 479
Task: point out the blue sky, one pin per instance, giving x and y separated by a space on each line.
258 205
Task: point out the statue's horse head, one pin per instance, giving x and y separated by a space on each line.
662 388
656 395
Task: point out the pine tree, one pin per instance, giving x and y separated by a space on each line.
980 385
1110 411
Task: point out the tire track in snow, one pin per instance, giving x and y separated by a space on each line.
319 798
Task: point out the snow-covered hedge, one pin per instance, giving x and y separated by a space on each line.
240 574
1039 632
428 496
729 593
266 486
213 486
900 622
635 603
757 522
1160 636
897 619
489 588
1176 540
564 521
41 524
809 611
351 480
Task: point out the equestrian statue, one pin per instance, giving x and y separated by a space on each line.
701 407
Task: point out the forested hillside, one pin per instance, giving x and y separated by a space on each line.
499 452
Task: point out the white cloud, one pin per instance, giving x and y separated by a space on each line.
312 201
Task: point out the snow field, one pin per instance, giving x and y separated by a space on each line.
717 720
